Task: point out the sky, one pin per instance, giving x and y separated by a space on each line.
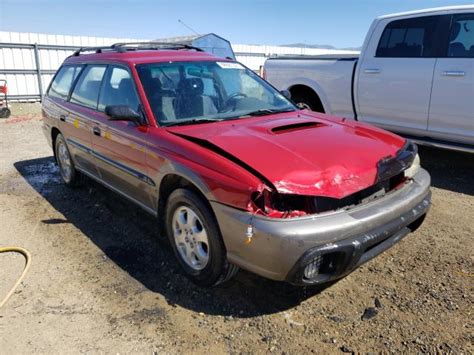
341 23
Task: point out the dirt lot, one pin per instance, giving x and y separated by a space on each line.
103 280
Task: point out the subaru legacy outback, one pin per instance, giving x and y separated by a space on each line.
236 174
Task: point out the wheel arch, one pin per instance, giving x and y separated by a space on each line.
306 91
313 88
175 177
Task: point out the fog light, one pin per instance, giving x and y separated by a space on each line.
312 269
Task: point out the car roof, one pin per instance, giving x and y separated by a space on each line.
144 56
434 11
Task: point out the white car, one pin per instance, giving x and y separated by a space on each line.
414 76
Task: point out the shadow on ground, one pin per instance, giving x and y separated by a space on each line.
449 170
129 237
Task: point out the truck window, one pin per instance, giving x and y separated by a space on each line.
461 37
86 91
118 89
63 80
409 38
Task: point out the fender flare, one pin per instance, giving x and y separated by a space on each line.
173 168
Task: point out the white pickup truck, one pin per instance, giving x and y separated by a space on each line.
414 76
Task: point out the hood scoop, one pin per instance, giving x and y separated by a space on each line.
295 127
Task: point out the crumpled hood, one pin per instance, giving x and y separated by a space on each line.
301 152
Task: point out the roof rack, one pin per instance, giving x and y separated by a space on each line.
134 46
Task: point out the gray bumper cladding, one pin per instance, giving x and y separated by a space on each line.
338 259
337 241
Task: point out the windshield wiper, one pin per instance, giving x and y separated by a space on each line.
192 121
267 111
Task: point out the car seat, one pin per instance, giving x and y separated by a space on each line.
161 101
456 49
190 101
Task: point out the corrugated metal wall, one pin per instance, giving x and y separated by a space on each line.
50 59
24 83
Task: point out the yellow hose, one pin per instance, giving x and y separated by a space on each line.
27 256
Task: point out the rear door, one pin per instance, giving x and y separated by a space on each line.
120 146
396 72
81 109
452 101
75 129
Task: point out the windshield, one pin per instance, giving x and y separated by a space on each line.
193 92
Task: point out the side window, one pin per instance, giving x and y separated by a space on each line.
461 37
86 91
63 80
409 38
118 89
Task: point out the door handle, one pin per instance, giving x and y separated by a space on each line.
372 71
96 131
62 118
454 73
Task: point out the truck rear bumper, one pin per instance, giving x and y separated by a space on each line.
334 243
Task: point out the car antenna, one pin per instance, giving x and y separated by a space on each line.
188 27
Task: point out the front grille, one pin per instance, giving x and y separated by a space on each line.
319 204
323 204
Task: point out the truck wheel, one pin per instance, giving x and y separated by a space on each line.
305 101
196 240
68 172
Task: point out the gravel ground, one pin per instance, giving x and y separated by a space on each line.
103 280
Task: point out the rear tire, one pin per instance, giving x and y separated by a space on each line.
196 239
5 112
305 101
67 170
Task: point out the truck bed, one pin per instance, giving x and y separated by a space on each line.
348 57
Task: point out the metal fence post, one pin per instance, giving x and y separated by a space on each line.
38 71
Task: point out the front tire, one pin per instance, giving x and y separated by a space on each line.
196 240
67 170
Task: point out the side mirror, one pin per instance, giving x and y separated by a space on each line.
123 113
286 93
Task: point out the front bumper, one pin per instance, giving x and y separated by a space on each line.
281 248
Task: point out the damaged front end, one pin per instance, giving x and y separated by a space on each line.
392 174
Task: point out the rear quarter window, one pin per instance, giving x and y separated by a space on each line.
63 80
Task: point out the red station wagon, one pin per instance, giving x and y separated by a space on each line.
236 174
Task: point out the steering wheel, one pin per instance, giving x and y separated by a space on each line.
226 102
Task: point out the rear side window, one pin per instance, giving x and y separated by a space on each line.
461 37
86 91
63 80
118 89
409 38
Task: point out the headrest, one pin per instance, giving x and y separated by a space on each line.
125 84
193 86
147 79
92 86
455 31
